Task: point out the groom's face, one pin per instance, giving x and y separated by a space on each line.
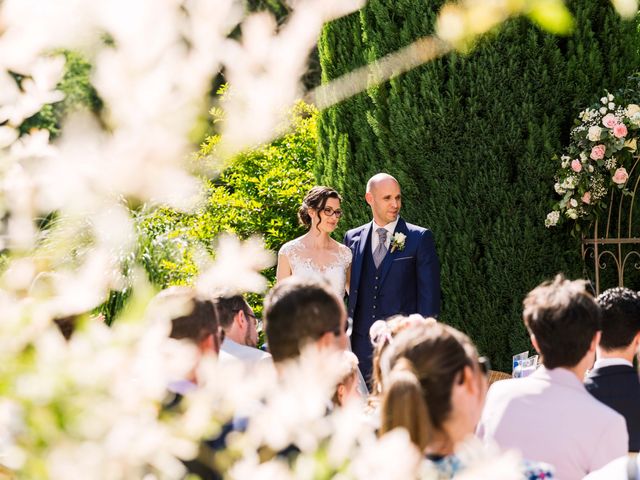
385 200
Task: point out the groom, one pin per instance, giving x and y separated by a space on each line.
395 268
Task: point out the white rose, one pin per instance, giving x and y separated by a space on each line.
552 219
558 188
603 110
573 202
590 168
612 105
604 100
594 133
610 97
572 213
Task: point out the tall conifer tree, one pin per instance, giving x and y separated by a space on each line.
471 140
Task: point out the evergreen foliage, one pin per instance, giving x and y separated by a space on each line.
471 140
259 193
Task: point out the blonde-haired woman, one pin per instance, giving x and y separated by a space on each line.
434 385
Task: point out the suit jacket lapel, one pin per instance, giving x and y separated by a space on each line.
359 257
401 226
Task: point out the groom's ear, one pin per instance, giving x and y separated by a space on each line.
368 197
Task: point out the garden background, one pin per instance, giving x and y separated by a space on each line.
471 137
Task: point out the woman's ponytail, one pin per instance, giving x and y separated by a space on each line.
403 405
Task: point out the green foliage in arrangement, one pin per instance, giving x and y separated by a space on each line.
471 138
257 194
78 91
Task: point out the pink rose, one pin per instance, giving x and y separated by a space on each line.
586 198
620 130
610 120
621 176
597 152
576 166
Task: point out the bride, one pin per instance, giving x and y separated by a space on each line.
315 254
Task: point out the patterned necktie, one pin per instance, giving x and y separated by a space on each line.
381 249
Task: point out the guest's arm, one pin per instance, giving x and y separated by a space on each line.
428 275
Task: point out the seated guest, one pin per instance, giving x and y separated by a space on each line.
549 416
613 379
300 312
198 325
434 386
240 331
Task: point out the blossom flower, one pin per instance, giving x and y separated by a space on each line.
604 100
598 151
572 213
632 110
594 133
610 163
620 130
558 188
610 120
602 110
586 198
620 176
552 219
631 144
573 202
576 166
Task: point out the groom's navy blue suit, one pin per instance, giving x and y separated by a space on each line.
407 281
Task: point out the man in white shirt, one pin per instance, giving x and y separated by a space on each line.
549 416
240 328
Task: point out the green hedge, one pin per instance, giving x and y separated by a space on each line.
471 140
258 194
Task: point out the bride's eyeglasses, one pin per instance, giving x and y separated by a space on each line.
328 211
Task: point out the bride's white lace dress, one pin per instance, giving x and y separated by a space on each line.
334 272
302 265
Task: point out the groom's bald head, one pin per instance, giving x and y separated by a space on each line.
384 197
379 179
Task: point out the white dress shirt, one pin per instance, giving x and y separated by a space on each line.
375 238
610 362
231 351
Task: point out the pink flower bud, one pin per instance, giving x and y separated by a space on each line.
576 166
597 152
620 176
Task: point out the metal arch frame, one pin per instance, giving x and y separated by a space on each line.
611 242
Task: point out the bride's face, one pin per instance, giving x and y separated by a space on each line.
326 219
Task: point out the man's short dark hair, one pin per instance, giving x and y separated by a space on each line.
196 325
620 317
297 312
228 307
564 317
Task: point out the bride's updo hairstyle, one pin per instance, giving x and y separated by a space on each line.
419 368
316 200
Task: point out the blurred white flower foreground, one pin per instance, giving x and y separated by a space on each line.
91 408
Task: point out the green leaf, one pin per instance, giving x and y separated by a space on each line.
552 15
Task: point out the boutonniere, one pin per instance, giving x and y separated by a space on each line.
397 242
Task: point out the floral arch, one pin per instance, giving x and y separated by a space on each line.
598 182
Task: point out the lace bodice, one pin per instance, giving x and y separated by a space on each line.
335 271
